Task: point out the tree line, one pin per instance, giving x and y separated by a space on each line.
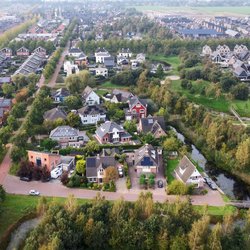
140 225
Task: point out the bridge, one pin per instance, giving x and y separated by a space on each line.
239 204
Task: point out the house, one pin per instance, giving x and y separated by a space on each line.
125 52
206 51
111 132
101 71
81 60
92 114
140 58
101 54
5 104
96 166
119 96
31 64
137 109
44 159
54 114
51 160
60 94
187 173
223 50
5 79
121 60
90 97
109 62
40 50
238 49
147 160
23 52
70 68
154 125
75 52
7 52
68 136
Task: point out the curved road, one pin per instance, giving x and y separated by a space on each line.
13 185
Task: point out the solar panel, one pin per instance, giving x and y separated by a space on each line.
146 162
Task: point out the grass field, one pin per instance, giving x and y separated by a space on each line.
222 10
16 206
219 104
110 85
219 211
171 166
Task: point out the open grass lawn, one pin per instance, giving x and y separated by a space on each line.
171 166
110 85
239 10
220 104
16 206
211 210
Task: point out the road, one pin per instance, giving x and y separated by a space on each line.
52 82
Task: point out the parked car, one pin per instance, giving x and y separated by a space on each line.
120 172
212 186
24 178
34 192
160 184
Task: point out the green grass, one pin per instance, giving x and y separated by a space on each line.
101 92
219 104
239 10
171 166
16 206
212 210
2 155
110 85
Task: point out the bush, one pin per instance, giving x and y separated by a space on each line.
112 187
125 168
128 183
76 180
2 194
177 188
142 179
64 178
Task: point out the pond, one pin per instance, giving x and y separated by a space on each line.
231 186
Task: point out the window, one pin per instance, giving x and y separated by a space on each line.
45 159
141 110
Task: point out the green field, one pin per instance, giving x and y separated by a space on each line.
223 10
16 206
219 104
110 85
171 166
218 211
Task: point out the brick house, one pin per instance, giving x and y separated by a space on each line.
23 52
137 109
7 52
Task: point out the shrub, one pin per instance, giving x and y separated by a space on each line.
125 168
2 194
64 178
142 179
112 186
128 183
177 188
76 179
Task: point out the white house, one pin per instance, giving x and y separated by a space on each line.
206 51
101 71
70 68
92 114
75 52
188 173
100 54
125 53
90 97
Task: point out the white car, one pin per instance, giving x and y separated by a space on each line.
34 192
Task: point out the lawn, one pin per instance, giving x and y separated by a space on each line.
219 104
171 166
16 206
110 85
212 210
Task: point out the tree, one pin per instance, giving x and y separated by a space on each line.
215 238
171 144
8 90
177 187
2 194
142 179
12 122
240 91
81 166
64 178
243 155
198 234
73 102
159 71
73 120
227 81
111 174
130 126
91 147
49 144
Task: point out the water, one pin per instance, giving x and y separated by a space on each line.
231 186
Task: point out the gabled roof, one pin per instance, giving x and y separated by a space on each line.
152 124
75 50
134 100
91 110
147 155
101 50
5 102
64 131
108 127
23 49
61 92
185 169
55 114
87 91
125 50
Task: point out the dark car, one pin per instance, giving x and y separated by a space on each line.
24 178
160 184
